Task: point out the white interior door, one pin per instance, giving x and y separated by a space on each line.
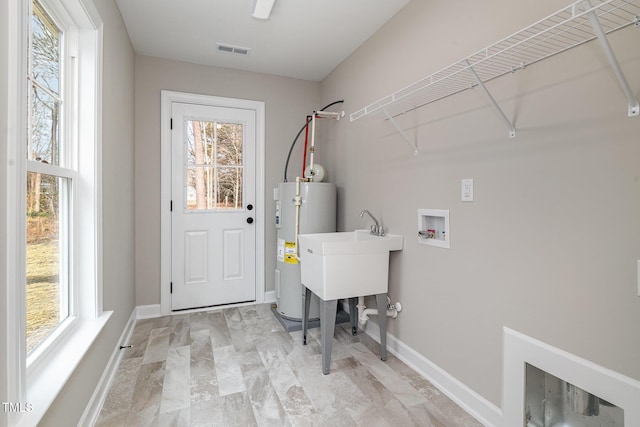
213 180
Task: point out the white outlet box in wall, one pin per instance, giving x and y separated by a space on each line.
433 228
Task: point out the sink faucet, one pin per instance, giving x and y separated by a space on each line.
376 229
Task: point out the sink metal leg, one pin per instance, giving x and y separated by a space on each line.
353 315
305 314
327 327
381 300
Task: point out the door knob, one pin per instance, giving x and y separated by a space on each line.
250 220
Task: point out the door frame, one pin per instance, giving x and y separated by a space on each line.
167 98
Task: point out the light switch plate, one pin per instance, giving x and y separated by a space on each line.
466 188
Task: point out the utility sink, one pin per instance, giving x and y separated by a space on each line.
346 264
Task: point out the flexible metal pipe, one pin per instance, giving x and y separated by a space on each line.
293 144
306 145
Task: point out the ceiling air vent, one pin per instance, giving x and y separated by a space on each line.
227 48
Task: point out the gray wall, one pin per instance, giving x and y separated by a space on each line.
287 102
118 207
549 247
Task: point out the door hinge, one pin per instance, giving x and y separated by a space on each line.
171 288
171 124
171 206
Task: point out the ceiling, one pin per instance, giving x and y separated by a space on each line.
304 39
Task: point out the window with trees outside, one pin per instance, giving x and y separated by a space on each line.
50 179
54 299
214 165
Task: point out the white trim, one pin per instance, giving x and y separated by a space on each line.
519 349
167 98
477 406
92 41
270 297
148 311
16 162
89 157
53 170
45 384
92 411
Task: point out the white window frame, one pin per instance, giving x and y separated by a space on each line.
36 380
66 167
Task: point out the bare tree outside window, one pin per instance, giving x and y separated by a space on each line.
45 209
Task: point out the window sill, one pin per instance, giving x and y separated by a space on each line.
49 377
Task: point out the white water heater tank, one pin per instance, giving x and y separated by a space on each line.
317 215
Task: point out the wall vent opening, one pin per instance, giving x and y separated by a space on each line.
544 386
550 401
227 48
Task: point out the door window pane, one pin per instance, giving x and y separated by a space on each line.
200 188
230 188
214 165
200 142
47 255
229 147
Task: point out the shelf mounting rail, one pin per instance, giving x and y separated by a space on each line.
401 132
512 129
576 24
634 107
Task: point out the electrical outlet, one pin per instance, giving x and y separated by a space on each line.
466 190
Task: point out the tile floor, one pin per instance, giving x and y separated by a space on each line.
238 367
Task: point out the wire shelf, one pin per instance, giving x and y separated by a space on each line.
565 29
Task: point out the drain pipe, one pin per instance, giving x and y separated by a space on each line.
364 312
297 201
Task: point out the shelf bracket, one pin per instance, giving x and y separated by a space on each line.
512 130
634 107
399 129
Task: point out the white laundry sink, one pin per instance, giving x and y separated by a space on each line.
346 264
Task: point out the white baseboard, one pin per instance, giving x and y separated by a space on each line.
477 406
92 411
148 311
270 297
